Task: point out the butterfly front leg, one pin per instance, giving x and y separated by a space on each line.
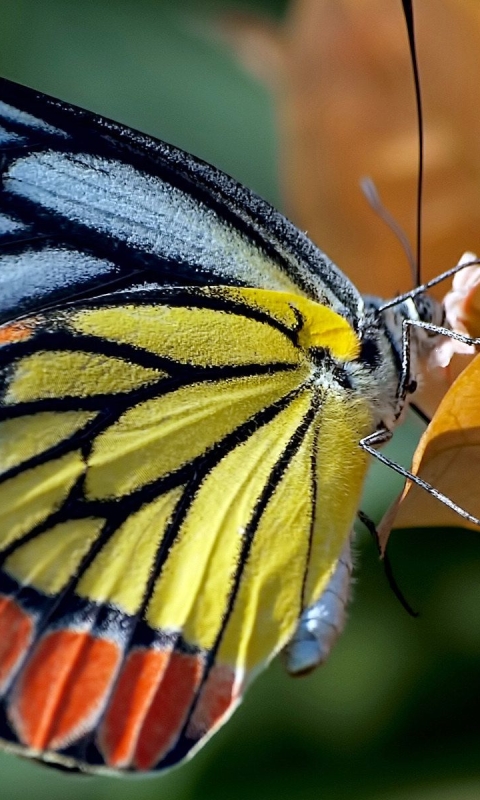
321 623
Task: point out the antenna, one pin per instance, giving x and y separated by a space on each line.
373 199
408 13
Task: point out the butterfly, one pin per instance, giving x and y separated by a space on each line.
188 392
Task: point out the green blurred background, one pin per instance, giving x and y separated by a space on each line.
395 713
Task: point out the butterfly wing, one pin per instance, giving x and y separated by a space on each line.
169 503
163 452
87 204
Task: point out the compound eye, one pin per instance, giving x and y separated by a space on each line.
411 388
424 308
429 310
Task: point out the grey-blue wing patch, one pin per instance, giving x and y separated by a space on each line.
87 206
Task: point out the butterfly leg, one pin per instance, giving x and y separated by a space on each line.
369 444
322 623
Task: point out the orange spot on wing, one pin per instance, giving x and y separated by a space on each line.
151 702
62 689
169 709
134 692
217 698
17 331
16 629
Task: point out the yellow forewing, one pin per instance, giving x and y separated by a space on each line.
25 437
301 532
320 326
269 600
30 497
225 484
199 336
60 374
340 471
51 559
157 437
130 552
192 592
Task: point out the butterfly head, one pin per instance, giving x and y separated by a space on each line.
404 335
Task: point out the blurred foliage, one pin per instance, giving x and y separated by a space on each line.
342 79
394 715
